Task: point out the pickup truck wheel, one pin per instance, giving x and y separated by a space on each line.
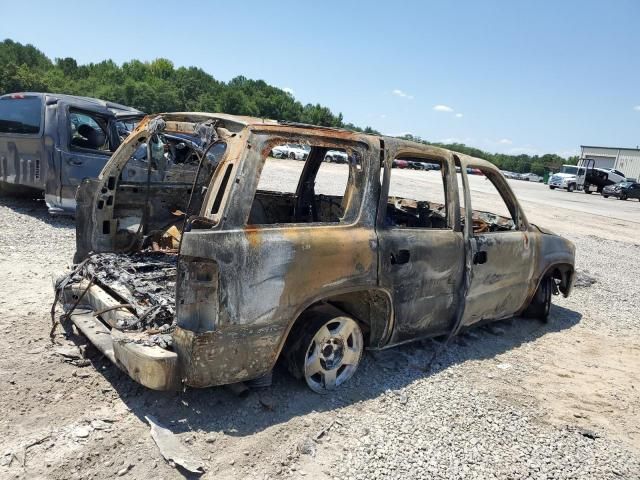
327 350
541 302
571 187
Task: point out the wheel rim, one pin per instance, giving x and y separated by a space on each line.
333 354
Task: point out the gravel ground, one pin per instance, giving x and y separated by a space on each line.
514 399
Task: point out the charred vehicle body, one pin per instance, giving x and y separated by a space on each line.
50 142
206 270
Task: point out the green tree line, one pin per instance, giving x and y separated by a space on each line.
538 164
158 86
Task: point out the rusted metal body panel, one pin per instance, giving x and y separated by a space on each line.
241 287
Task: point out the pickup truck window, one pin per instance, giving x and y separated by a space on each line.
89 131
416 196
20 114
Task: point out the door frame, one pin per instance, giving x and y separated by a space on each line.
390 150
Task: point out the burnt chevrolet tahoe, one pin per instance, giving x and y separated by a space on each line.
204 263
49 142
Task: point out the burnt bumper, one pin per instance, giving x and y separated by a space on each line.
149 365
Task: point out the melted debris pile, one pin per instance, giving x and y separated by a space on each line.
145 281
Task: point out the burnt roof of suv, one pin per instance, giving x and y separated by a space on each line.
239 122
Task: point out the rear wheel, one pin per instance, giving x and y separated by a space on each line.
540 305
326 349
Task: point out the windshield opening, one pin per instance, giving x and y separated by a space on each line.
572 170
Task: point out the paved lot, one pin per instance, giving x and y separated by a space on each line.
519 399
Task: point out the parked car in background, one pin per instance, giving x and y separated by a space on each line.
397 163
531 177
622 190
261 271
50 142
336 156
292 151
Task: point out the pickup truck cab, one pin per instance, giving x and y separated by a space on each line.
210 271
50 142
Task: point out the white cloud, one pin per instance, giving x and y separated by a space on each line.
288 90
399 93
442 108
505 141
459 115
637 108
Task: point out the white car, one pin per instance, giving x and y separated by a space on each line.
531 177
294 152
336 156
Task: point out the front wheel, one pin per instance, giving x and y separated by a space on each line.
326 349
605 196
623 196
552 188
540 305
571 187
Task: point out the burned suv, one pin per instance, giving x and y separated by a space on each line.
205 263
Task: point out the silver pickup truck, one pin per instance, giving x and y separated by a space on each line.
50 142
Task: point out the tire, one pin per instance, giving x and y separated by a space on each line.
325 350
623 196
571 187
605 196
292 155
552 188
540 305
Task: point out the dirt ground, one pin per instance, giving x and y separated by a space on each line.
570 387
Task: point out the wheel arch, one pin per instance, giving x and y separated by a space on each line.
372 308
562 271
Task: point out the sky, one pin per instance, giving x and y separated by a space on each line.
506 76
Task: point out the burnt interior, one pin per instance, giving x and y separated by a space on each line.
165 179
154 196
308 201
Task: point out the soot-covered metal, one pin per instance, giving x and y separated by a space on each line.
254 275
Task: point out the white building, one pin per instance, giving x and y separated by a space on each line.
627 160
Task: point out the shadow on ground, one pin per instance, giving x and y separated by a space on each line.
36 208
217 409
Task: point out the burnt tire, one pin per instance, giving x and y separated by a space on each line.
540 305
325 348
